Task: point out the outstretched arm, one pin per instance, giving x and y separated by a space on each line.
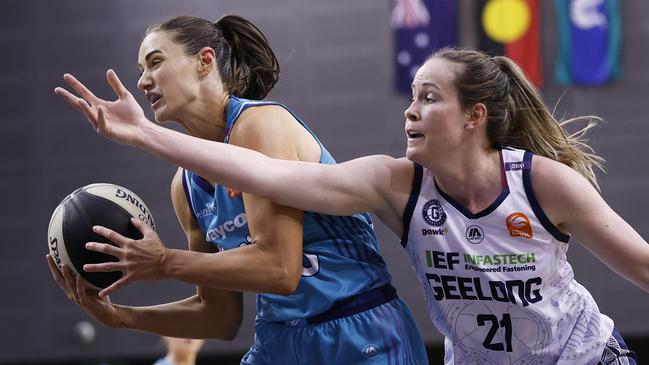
365 184
574 206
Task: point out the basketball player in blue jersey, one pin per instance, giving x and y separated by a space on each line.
325 293
490 192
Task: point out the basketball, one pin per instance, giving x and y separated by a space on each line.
70 228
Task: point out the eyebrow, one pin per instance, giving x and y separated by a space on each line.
149 55
424 84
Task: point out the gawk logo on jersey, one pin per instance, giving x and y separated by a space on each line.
434 232
433 213
519 225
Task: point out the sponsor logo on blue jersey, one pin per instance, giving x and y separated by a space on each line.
222 230
206 211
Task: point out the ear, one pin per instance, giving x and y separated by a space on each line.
475 116
206 61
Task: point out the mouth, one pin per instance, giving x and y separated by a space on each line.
153 98
413 135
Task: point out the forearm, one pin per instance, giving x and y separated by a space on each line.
220 162
301 185
185 318
251 268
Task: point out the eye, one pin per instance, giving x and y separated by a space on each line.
429 99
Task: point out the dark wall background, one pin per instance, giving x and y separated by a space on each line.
336 72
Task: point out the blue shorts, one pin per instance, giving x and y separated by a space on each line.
383 334
616 352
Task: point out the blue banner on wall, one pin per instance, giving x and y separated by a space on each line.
589 41
420 27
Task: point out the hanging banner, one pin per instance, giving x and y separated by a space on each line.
511 28
589 41
420 27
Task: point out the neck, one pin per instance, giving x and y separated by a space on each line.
206 118
472 178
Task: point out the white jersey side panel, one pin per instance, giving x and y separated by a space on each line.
497 283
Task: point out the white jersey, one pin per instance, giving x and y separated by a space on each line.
497 283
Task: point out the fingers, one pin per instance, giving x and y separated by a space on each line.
105 248
81 89
70 283
58 277
87 110
80 289
110 266
114 286
116 84
68 96
79 104
102 127
141 225
113 236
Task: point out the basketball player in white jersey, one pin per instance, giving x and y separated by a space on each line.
490 192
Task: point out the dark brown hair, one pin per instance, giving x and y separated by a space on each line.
246 63
516 114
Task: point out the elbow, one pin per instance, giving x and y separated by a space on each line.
284 281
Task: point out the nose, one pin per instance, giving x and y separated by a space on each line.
411 113
144 82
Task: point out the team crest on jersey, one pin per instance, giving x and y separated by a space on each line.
519 225
433 213
474 234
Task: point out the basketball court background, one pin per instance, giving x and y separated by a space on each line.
336 59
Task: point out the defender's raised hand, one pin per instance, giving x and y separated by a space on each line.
120 120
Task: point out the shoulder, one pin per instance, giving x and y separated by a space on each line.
559 189
274 131
264 120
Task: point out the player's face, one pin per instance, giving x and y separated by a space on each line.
434 119
169 76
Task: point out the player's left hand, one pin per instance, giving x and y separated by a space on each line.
142 259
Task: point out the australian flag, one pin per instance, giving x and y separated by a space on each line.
420 27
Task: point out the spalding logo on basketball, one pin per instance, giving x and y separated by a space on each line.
108 205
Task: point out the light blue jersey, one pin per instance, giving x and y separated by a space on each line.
343 273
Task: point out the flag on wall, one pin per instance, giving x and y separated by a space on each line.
420 27
589 41
511 28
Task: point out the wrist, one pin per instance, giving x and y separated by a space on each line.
148 132
172 261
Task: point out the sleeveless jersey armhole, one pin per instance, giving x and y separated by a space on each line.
536 207
412 202
188 197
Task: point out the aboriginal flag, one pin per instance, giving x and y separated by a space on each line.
589 41
511 28
420 28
